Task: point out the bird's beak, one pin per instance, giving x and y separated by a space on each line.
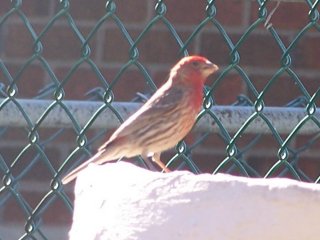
210 68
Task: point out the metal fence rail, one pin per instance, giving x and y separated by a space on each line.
46 117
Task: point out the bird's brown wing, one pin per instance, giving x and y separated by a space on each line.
158 109
141 129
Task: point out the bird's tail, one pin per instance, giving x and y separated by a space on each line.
74 173
109 151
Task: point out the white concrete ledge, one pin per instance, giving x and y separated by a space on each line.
123 202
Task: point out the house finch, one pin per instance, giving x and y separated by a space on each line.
162 121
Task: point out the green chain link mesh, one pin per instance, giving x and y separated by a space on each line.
234 160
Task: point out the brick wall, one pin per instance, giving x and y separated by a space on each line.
260 58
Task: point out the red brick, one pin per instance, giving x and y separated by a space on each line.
306 53
83 80
261 156
18 42
291 16
3 77
192 45
185 12
57 212
212 142
20 134
5 6
13 212
255 51
129 83
79 83
310 167
228 90
33 76
160 77
261 153
158 46
39 170
132 11
282 91
284 172
67 138
301 140
127 11
214 48
262 163
85 10
265 142
36 8
14 134
60 43
230 13
308 159
76 158
190 12
116 47
30 9
208 163
288 16
311 85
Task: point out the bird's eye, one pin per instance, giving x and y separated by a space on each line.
195 64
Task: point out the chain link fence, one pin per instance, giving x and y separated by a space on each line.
54 113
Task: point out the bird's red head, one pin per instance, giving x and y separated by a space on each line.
194 67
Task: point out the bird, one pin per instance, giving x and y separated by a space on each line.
162 121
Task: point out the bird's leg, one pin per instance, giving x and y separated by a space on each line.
148 162
156 158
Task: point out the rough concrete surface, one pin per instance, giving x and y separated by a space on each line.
121 201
